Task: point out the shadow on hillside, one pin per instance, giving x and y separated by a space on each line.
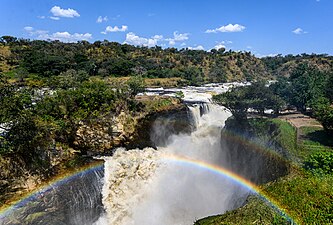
321 137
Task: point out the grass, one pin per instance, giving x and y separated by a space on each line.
316 136
313 140
158 103
150 82
287 136
255 211
307 197
164 82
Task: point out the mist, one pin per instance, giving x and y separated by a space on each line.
142 187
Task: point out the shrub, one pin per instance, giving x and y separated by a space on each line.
320 163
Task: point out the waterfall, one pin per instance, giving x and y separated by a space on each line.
141 187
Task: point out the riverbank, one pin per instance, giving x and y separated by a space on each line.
305 196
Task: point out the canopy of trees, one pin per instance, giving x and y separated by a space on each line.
308 88
256 96
103 58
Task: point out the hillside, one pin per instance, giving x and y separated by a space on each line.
22 58
284 65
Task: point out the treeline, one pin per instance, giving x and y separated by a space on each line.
308 89
284 65
21 58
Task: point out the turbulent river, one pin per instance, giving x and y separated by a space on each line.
147 186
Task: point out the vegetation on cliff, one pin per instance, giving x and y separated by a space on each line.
308 89
305 193
45 129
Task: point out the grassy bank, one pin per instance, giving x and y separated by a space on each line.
305 194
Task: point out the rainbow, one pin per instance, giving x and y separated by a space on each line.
234 177
168 157
57 181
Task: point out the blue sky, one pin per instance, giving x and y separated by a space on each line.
263 27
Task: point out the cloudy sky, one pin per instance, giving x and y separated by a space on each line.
264 27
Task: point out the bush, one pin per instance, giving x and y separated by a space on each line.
320 163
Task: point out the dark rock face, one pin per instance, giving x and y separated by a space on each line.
155 130
259 161
76 201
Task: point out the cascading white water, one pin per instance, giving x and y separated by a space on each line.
142 187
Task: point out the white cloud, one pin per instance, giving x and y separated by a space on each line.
199 47
28 29
41 17
32 32
267 55
54 18
299 31
109 29
133 39
157 37
66 36
180 37
171 42
177 37
68 13
228 28
218 46
61 36
101 19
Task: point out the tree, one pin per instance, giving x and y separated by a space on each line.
193 74
323 111
217 74
136 85
256 96
282 88
329 87
308 85
236 101
69 79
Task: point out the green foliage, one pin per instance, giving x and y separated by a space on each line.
255 211
329 87
316 136
236 101
323 111
33 121
104 58
180 94
69 79
286 136
256 96
193 74
308 85
136 85
282 88
306 197
320 163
